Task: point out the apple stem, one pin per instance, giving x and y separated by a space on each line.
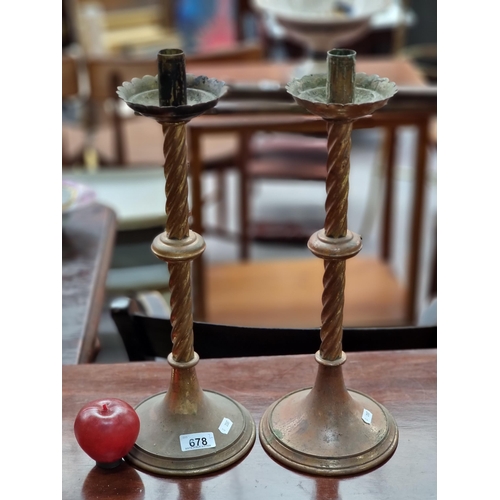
104 408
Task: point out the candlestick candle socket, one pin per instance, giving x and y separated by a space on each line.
340 76
172 77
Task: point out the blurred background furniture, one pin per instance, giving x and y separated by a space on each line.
147 337
119 39
114 130
249 110
75 112
118 158
122 143
70 90
87 246
137 197
119 26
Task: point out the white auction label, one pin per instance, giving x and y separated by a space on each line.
225 425
367 416
197 441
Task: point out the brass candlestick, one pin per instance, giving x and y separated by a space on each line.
185 430
327 429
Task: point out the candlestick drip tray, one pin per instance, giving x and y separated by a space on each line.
142 95
371 92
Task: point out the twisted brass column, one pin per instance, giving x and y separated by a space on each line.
337 191
176 182
177 228
327 429
184 430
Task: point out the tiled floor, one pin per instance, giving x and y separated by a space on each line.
304 201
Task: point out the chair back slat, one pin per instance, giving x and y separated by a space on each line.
147 337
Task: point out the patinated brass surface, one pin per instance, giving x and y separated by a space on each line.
340 76
371 92
184 409
172 76
320 430
142 95
327 429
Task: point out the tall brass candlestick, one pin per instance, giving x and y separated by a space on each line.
327 429
185 430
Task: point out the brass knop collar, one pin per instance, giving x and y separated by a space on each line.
328 248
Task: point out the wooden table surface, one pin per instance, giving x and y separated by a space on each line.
399 70
403 381
258 87
88 237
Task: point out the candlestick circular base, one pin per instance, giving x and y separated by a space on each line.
328 441
161 450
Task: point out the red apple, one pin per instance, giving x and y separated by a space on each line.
106 429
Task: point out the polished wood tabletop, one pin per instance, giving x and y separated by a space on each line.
258 87
88 237
403 381
268 73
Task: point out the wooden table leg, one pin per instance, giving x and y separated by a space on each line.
119 132
388 162
417 218
243 152
198 268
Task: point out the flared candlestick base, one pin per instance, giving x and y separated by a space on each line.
328 430
186 431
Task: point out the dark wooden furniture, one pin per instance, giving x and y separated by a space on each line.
403 381
146 337
87 245
70 87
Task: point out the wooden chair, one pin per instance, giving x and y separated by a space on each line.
146 337
267 156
